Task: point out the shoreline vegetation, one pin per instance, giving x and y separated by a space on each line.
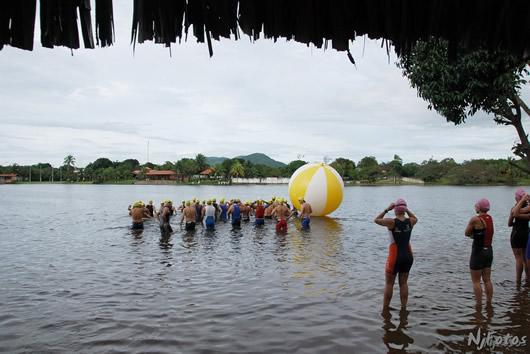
524 182
261 169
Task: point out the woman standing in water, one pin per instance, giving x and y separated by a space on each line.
518 221
480 229
400 256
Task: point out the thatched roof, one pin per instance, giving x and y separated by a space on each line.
58 23
491 24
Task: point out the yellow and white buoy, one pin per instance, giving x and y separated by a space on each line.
320 185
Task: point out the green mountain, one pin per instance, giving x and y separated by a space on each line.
256 158
212 160
261 159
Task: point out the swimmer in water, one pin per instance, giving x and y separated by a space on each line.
164 217
518 221
259 213
480 229
245 211
223 211
189 217
235 213
151 208
270 207
400 257
208 213
305 213
198 212
217 209
282 214
138 212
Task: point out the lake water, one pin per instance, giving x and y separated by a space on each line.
74 278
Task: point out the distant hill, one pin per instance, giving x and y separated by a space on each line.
212 160
261 159
256 158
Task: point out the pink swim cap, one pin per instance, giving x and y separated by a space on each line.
483 205
519 193
400 206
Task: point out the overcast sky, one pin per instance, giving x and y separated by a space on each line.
283 99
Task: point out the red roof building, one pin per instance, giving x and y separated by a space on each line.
161 175
208 172
137 172
8 178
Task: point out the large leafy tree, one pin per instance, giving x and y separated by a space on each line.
433 170
202 164
292 167
474 81
396 167
368 169
187 167
102 162
345 167
130 163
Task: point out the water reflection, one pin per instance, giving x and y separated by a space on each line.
188 239
235 238
476 323
395 338
210 240
471 332
164 243
517 317
315 254
280 248
137 234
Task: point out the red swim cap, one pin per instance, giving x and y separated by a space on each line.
519 193
400 205
483 204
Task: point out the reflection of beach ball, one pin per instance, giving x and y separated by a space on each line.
320 185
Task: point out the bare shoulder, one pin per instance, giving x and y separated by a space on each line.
474 220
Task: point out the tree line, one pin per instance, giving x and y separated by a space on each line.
367 170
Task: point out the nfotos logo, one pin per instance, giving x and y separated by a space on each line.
492 340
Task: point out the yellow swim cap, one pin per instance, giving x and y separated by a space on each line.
138 204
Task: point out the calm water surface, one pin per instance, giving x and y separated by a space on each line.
74 278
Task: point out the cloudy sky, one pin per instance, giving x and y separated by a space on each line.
283 99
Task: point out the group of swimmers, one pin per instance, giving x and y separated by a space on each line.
400 257
209 212
479 228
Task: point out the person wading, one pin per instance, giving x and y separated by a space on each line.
400 256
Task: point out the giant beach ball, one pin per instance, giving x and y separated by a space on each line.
319 185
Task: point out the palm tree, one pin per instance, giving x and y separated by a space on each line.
200 159
69 162
237 169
